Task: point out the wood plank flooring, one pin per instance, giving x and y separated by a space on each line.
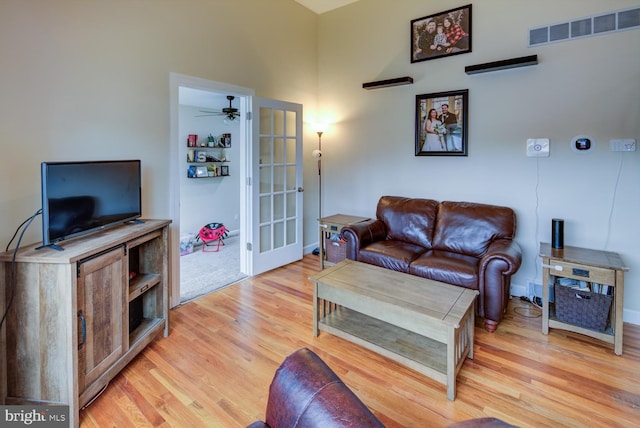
215 368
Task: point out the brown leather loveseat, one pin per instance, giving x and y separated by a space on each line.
461 243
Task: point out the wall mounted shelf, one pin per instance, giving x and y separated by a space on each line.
502 65
389 82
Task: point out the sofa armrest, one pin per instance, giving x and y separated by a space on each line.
502 260
505 251
359 235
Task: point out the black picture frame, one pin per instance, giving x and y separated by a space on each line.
455 26
449 137
224 170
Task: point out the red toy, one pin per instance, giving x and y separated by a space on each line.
212 234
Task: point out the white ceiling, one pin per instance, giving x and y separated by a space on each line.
322 6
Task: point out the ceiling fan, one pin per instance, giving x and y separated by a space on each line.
230 113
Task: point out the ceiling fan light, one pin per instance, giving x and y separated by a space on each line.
230 120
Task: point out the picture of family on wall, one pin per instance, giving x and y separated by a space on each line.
441 124
443 34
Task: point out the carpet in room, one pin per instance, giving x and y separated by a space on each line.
204 272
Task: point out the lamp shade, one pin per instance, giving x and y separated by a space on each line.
320 127
230 120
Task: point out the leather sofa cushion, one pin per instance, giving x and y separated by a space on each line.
469 228
443 266
407 219
394 255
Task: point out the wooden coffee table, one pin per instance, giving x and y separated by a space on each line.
425 325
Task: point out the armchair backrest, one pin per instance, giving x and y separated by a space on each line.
306 393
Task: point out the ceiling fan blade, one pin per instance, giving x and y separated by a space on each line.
230 113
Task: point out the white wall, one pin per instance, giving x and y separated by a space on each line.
588 86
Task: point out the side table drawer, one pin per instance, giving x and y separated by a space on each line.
583 273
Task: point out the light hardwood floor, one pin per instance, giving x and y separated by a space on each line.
215 368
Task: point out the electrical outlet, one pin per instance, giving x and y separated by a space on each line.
531 289
623 145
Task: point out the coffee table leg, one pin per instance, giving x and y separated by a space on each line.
471 323
451 363
315 310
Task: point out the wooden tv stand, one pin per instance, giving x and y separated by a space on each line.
79 316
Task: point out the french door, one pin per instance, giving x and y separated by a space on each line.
276 184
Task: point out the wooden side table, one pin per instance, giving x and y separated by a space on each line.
592 266
333 224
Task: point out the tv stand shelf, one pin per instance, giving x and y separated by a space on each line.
79 316
142 283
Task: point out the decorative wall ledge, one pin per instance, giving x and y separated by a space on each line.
389 82
502 65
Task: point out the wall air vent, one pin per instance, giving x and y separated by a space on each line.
621 20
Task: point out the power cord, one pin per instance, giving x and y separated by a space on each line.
12 285
613 203
537 302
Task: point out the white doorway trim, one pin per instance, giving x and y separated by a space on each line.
176 81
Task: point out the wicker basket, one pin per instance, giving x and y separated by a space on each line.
583 308
336 250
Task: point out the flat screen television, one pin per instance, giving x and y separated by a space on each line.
84 197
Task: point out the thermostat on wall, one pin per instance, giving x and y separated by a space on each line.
583 144
538 147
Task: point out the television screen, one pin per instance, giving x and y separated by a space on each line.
82 197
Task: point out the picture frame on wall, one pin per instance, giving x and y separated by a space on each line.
441 123
442 34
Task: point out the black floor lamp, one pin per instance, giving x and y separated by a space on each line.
317 154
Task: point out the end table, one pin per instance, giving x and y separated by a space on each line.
333 224
592 266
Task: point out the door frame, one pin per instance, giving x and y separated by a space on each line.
176 81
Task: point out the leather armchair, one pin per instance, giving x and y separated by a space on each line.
306 393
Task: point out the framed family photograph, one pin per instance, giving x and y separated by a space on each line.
442 34
441 123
